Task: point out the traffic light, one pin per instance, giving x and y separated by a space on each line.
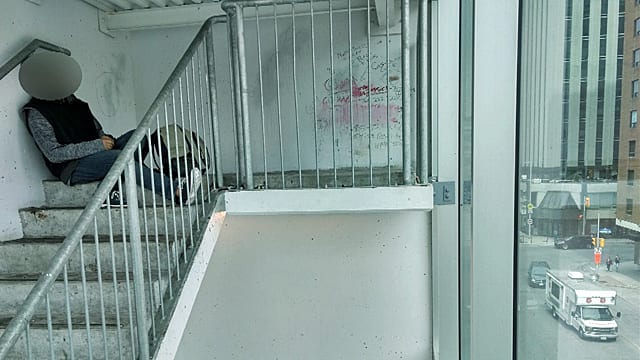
593 242
601 242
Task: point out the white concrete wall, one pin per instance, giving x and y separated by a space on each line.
156 53
107 86
350 286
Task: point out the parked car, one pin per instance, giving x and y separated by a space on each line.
574 242
538 273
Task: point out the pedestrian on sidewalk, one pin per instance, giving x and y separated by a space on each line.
609 263
617 262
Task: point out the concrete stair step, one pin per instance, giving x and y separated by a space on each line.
59 195
28 256
58 222
80 338
13 291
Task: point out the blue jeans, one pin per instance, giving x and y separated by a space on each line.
94 167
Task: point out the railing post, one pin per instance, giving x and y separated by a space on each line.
424 91
244 93
136 259
237 98
407 136
213 106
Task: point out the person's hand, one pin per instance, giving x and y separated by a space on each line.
107 142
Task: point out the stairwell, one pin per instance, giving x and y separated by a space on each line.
90 300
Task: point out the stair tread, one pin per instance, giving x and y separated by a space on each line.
87 239
90 276
59 321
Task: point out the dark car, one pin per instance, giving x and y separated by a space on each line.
574 242
538 273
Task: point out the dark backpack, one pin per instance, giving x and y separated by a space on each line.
178 150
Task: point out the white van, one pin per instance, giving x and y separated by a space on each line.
582 304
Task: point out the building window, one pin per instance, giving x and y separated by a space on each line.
630 177
632 148
637 26
634 119
635 88
629 208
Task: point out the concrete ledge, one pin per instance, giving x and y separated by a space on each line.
317 201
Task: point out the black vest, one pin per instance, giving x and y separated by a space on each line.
72 122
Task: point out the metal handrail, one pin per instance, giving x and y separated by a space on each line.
23 54
124 162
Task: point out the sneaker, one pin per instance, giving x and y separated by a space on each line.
115 200
189 187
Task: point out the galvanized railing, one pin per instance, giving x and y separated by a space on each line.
119 306
324 93
23 54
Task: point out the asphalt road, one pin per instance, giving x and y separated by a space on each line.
541 337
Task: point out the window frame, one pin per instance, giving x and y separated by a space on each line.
633 119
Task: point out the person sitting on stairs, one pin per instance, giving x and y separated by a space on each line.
73 144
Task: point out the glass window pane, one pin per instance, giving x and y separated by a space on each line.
578 164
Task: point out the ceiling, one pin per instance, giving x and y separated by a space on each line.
130 15
125 5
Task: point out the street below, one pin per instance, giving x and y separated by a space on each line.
541 337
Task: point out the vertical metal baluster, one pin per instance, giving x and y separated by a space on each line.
313 80
197 145
388 89
49 327
212 96
126 275
183 241
67 304
278 98
261 82
171 247
353 165
136 261
333 107
27 339
202 137
100 290
406 94
146 236
115 278
295 89
235 69
85 298
187 174
369 90
207 120
179 196
155 224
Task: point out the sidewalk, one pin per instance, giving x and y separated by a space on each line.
535 240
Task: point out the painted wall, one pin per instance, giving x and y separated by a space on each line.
349 286
106 86
156 53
